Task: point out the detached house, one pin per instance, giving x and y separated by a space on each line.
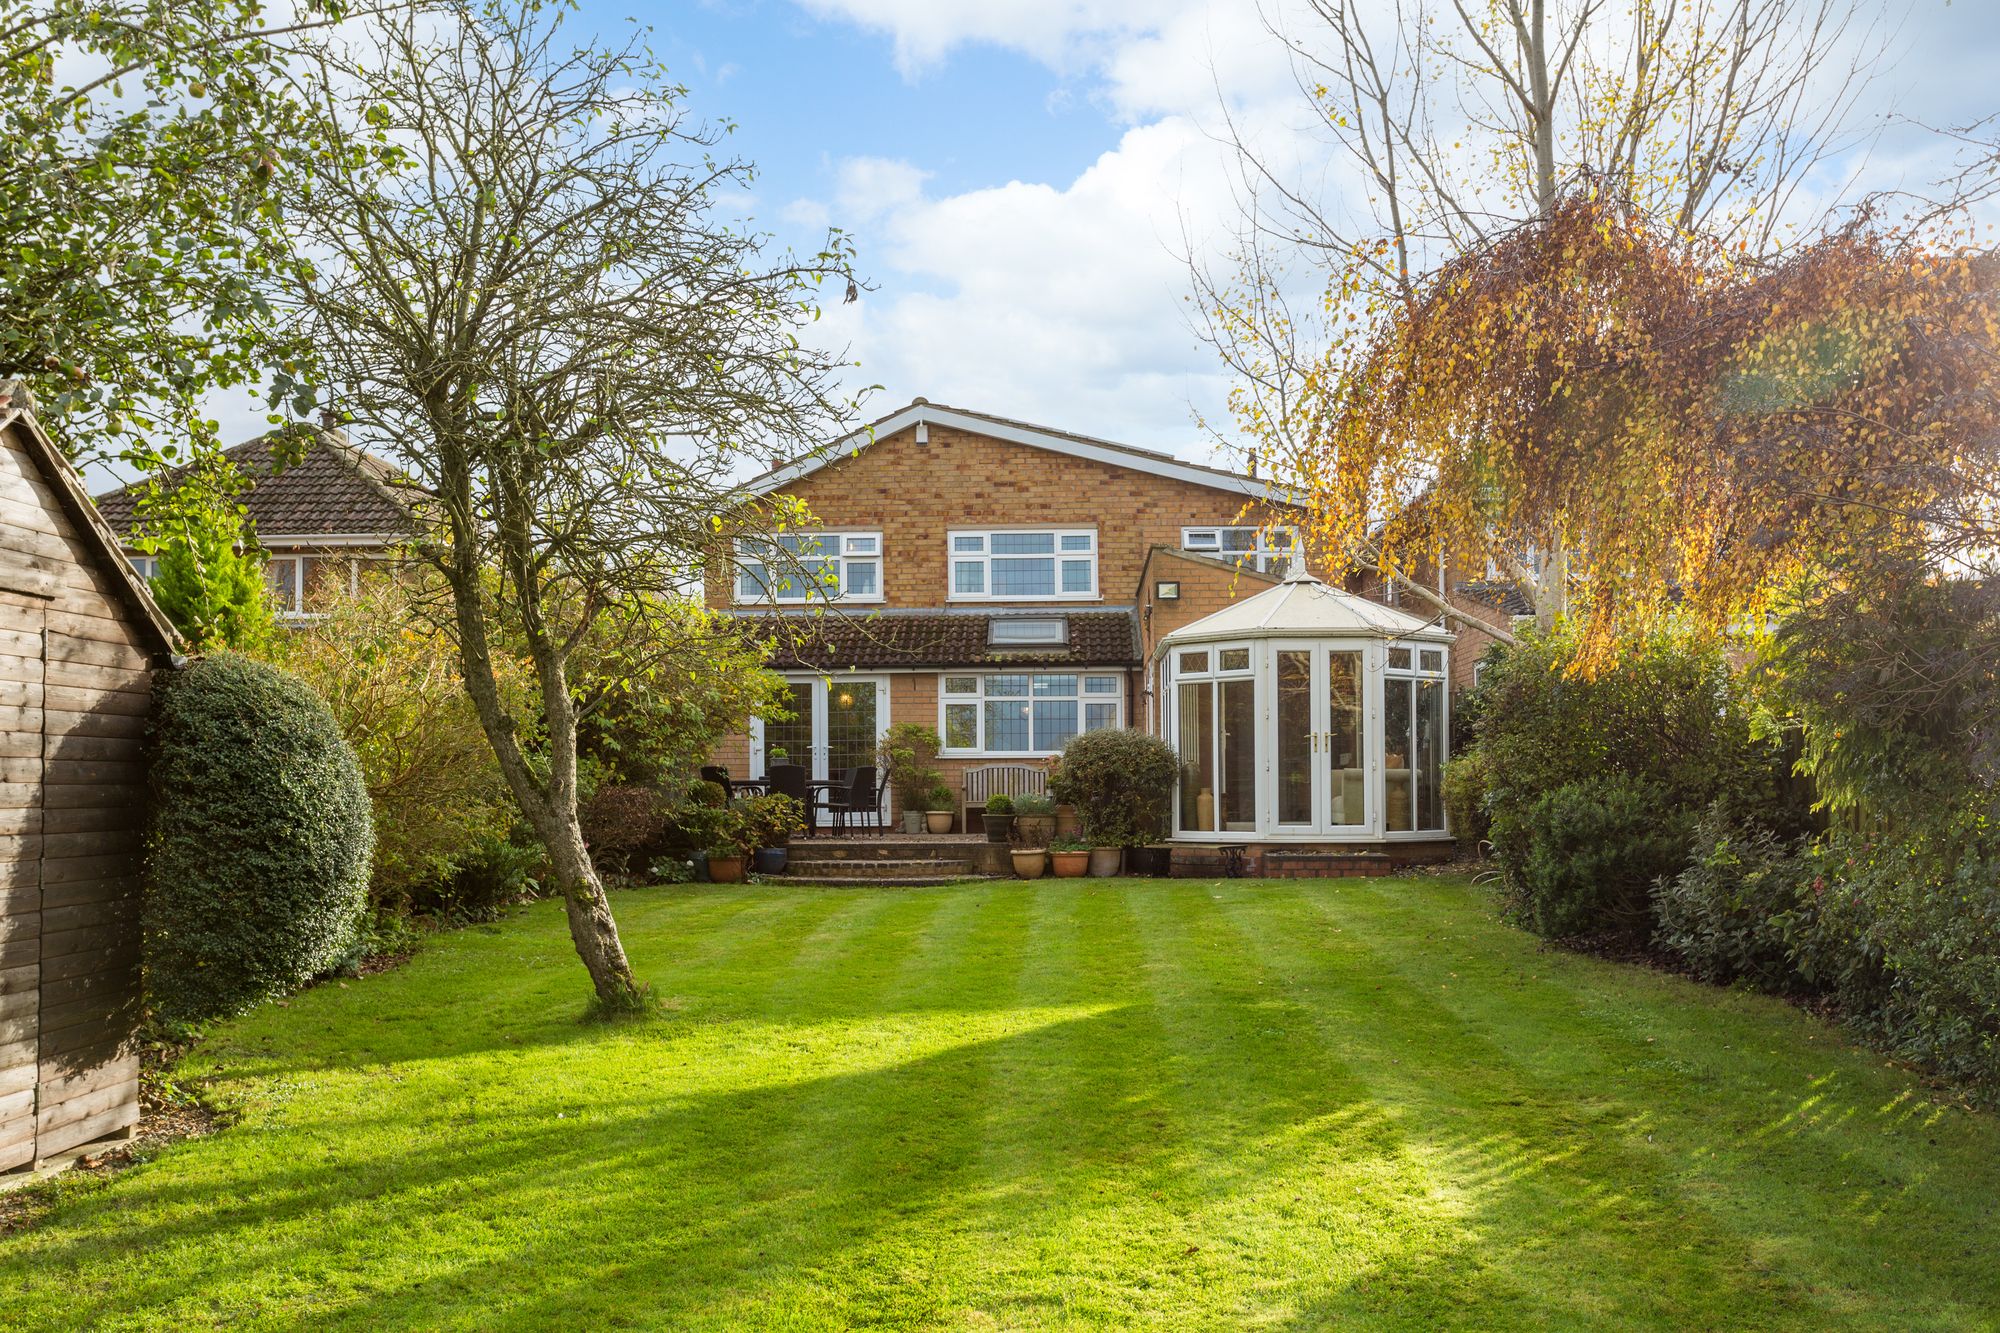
1012 586
321 517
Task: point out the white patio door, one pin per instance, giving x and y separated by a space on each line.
836 724
1323 760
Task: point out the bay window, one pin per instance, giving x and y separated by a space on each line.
806 566
1025 713
1023 566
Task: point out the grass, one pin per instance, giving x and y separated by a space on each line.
1065 1104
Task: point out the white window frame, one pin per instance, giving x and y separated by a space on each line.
984 558
802 592
978 699
293 608
1264 553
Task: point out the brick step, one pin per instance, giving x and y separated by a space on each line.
849 879
881 865
822 851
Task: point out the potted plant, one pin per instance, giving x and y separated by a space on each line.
771 821
1034 820
1070 857
729 848
1029 862
1121 782
939 804
999 818
905 754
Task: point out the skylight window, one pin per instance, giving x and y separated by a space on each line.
1025 631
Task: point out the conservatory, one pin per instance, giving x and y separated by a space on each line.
1307 714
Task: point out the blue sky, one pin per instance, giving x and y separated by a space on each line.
1020 175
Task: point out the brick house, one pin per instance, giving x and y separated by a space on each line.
322 517
1012 585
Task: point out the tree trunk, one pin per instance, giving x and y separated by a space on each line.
591 927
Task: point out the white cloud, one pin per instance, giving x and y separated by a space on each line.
870 188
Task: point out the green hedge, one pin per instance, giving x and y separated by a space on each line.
259 848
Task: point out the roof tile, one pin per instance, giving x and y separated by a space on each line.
335 489
833 641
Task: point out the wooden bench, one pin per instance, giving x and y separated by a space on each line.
990 780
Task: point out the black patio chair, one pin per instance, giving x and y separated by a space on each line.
859 802
792 780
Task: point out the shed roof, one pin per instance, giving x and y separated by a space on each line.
335 489
1304 606
17 418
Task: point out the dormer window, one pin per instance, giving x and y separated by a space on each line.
1034 565
1028 632
797 567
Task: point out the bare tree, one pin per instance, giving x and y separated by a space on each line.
1446 124
522 284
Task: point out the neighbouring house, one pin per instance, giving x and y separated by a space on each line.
322 517
1013 585
80 639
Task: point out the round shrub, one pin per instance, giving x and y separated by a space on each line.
1726 914
259 850
1120 781
1583 858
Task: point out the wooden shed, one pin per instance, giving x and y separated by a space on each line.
79 641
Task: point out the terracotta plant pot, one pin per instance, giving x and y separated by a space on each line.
1104 862
938 821
725 869
1030 864
1070 865
1068 822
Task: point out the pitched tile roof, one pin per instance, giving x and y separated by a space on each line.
835 641
1500 594
335 489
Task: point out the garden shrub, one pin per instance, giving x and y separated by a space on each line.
1121 782
1726 915
623 826
259 847
490 876
1904 936
1638 750
392 681
1464 790
1586 854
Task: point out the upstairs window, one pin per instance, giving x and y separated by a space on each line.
810 566
1039 565
285 576
1267 549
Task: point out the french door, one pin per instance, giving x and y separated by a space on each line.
836 724
1324 759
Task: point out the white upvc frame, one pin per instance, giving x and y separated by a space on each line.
869 545
294 606
1210 540
822 684
984 556
978 698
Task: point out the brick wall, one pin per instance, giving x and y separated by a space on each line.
915 493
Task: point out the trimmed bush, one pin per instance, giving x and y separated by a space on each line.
1120 781
1464 790
258 855
1585 857
1726 914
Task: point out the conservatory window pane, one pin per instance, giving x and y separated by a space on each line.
1234 659
1399 659
1055 722
1347 762
1194 662
1432 659
1430 754
1294 735
1023 578
1195 724
1396 719
961 726
1007 727
1237 801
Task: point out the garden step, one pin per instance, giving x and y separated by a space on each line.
854 877
882 867
817 851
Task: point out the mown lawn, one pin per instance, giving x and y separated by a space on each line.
1067 1104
